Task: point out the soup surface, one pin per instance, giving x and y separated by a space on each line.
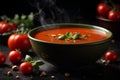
86 35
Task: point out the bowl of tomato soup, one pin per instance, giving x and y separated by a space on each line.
70 45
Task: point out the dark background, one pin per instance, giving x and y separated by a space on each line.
11 7
85 8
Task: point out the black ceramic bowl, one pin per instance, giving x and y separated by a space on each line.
69 56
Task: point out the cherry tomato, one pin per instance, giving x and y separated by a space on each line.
103 9
4 27
19 41
26 68
114 15
13 25
2 58
15 56
111 56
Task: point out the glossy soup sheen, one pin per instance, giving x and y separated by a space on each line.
94 35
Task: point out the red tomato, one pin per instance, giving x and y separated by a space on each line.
103 9
13 25
26 68
15 56
19 41
111 56
4 27
2 58
114 15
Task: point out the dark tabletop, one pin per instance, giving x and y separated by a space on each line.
97 71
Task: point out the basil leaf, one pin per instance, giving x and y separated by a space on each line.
28 58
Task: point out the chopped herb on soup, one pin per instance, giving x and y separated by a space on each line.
68 36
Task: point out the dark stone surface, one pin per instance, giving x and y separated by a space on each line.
97 71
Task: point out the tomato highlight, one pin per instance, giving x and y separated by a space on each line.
103 9
26 68
111 56
19 41
15 56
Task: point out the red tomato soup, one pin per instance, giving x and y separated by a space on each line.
85 35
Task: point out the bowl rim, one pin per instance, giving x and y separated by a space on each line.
73 24
106 19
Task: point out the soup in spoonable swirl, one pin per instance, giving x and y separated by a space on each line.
71 35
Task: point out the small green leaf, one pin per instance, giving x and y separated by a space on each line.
31 17
39 62
76 36
68 34
16 17
36 64
5 18
23 17
28 58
